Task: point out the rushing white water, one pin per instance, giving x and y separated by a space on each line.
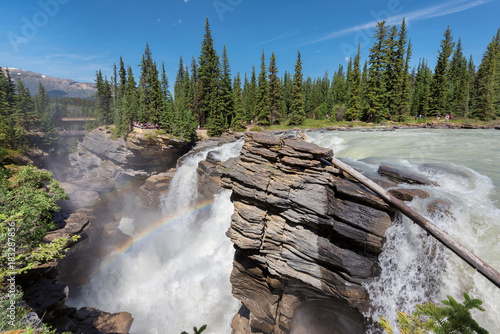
177 276
416 268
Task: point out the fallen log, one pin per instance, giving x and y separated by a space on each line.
475 262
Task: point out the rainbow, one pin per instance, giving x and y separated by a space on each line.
153 228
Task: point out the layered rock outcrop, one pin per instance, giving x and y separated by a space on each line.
302 232
139 155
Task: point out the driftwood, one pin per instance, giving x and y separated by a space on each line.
475 262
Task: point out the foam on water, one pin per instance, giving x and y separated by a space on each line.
416 268
177 277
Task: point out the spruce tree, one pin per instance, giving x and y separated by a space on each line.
226 90
168 101
157 102
439 87
262 97
376 85
393 68
144 89
402 56
354 103
131 100
209 81
486 83
238 122
298 115
251 97
286 94
23 115
338 89
123 79
458 83
421 95
274 89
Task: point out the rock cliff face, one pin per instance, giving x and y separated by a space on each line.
303 232
139 155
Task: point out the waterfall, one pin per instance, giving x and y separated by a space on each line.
415 268
177 276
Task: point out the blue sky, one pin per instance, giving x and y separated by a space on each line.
73 38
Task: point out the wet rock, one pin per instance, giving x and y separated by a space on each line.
407 195
149 195
326 316
403 177
92 321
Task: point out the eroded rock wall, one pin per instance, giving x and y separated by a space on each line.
302 231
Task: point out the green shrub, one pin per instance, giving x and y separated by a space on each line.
256 129
431 318
28 199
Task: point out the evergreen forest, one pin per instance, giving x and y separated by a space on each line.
383 87
377 87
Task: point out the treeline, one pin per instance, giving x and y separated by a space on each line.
382 88
21 113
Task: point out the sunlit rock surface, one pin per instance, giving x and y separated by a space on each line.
302 231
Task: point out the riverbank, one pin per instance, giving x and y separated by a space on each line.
311 124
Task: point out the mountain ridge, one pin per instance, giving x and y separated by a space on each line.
55 87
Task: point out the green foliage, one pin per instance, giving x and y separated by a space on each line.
439 85
298 115
196 330
431 318
27 202
262 109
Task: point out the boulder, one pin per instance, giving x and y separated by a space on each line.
399 176
408 195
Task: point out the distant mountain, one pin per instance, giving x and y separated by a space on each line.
55 87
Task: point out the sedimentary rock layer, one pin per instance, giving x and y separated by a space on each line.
302 231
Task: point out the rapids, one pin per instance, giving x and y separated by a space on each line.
415 268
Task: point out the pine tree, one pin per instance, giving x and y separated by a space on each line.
209 80
47 125
286 94
354 103
486 86
123 79
298 115
274 89
251 97
421 95
376 85
262 97
471 80
226 93
402 59
144 88
168 101
131 100
439 87
393 70
338 90
458 94
238 122
23 115
157 97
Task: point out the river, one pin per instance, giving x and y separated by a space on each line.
415 269
177 276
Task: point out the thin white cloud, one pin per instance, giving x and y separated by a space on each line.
186 1
71 56
444 9
277 38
